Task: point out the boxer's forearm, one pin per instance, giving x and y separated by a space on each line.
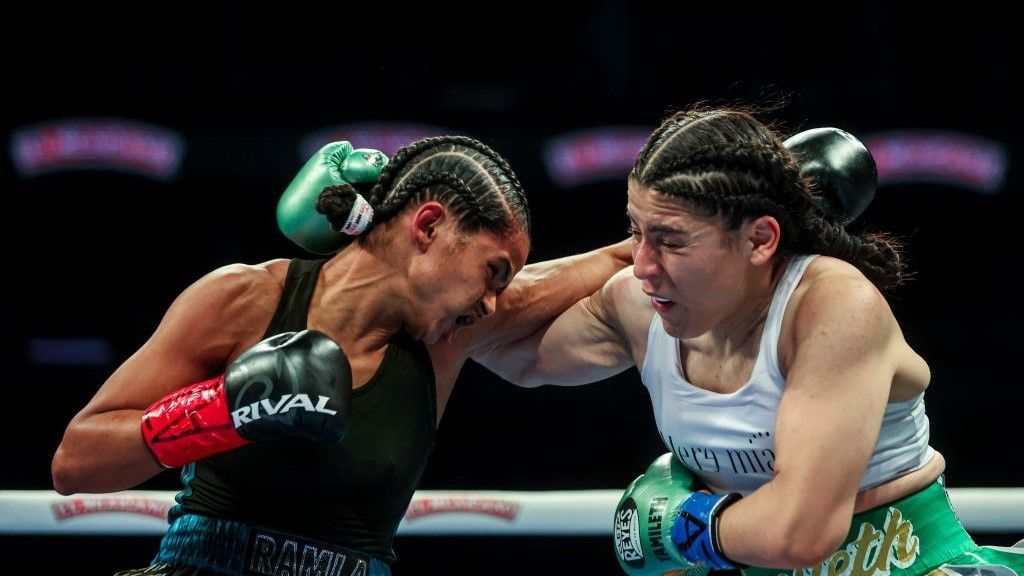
103 453
546 289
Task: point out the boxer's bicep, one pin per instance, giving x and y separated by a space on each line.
102 449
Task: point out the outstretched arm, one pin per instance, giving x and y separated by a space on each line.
542 291
586 343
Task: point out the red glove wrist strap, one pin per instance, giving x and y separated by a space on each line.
190 424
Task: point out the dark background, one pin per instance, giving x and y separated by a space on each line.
101 255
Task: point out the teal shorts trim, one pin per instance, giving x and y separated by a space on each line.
914 536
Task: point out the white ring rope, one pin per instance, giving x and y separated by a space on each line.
432 512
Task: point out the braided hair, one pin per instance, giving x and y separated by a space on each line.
473 181
724 163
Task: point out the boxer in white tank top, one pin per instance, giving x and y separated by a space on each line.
780 381
728 439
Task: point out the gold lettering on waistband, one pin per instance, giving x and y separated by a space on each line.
873 552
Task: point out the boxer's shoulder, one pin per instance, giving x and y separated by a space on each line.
624 304
237 298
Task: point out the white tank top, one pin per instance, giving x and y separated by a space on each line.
728 439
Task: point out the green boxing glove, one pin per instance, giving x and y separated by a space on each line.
643 520
335 164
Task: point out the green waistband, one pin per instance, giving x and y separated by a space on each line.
907 537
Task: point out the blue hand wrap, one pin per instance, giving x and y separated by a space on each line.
695 529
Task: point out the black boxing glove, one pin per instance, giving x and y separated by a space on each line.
843 168
292 385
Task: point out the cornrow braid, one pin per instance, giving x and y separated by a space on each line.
758 160
672 127
464 202
471 179
724 163
878 255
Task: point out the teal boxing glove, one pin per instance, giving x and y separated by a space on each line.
644 518
336 164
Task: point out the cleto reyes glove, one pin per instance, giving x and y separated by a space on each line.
294 385
663 525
